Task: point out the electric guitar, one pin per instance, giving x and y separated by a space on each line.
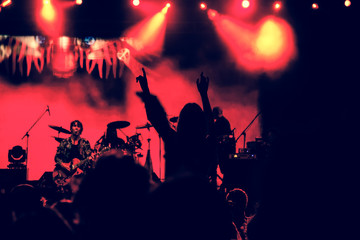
62 176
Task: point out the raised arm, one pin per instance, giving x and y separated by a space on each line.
143 83
203 86
154 110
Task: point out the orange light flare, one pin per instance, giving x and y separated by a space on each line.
268 45
241 8
315 6
203 6
6 3
277 5
78 2
136 3
148 35
48 11
347 3
245 4
49 17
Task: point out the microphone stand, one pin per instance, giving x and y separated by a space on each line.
244 132
27 140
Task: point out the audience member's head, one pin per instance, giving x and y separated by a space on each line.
188 207
192 122
111 197
24 199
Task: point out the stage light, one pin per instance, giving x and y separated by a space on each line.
245 3
212 14
6 3
47 11
17 158
347 3
78 2
315 6
165 9
203 6
277 5
136 3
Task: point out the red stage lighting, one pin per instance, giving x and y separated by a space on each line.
212 14
347 3
203 6
6 3
277 5
245 4
136 3
315 6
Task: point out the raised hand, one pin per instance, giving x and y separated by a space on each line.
202 84
143 82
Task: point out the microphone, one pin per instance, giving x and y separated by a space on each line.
48 109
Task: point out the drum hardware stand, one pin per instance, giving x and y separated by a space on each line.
27 139
244 132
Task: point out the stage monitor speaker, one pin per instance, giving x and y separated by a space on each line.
11 177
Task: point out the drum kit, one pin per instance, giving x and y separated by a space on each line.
132 144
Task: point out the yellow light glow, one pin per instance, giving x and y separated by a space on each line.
270 39
347 3
245 3
315 6
203 6
6 3
48 12
78 2
136 3
277 5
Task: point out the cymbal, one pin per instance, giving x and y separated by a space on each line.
118 124
60 129
58 139
174 119
147 125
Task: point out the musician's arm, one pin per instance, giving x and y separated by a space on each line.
60 155
87 151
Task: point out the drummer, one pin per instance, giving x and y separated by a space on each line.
221 124
111 140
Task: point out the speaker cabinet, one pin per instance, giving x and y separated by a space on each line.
9 178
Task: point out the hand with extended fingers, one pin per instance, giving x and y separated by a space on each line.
143 82
202 84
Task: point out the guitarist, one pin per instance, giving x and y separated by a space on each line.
70 153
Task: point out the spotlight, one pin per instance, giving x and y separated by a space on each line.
315 6
245 3
48 11
136 3
212 14
5 3
165 9
78 2
347 3
17 157
203 6
277 5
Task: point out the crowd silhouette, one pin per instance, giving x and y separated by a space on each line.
117 199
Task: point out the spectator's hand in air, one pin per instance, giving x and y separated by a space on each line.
143 82
202 84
